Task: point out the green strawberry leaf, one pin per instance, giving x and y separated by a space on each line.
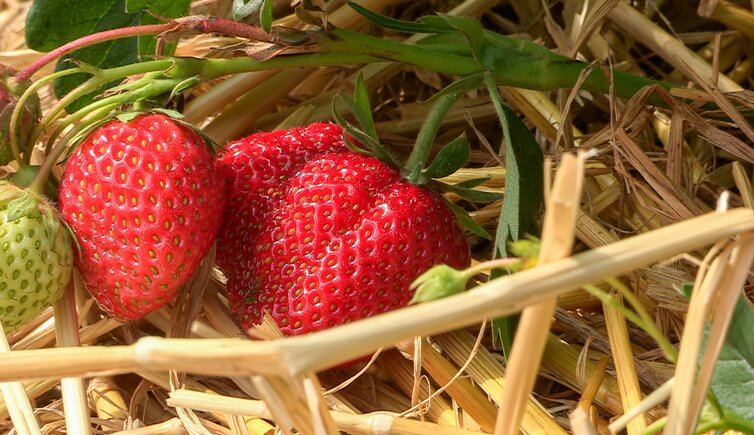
430 24
451 158
52 23
733 380
24 206
466 221
524 196
152 12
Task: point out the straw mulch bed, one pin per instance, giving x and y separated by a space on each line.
644 213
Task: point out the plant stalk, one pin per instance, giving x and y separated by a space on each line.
185 26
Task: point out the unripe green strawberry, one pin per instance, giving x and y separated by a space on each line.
37 256
9 93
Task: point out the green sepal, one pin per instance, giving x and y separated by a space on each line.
50 219
473 31
466 193
366 132
128 116
8 192
25 206
174 114
438 282
83 133
474 182
450 158
350 130
459 87
265 15
415 175
361 108
466 221
430 24
183 85
25 175
527 249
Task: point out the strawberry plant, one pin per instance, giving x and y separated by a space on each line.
169 138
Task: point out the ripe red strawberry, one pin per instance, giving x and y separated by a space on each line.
144 200
256 168
335 237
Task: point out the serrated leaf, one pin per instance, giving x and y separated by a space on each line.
733 380
466 221
523 200
24 206
52 23
422 25
450 158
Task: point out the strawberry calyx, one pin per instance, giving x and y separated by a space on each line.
362 137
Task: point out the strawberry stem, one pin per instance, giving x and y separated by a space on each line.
15 118
100 78
210 68
426 136
185 26
498 263
137 91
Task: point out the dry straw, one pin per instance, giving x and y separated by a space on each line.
646 195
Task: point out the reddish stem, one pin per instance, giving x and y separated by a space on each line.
183 26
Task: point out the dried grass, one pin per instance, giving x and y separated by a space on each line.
652 180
